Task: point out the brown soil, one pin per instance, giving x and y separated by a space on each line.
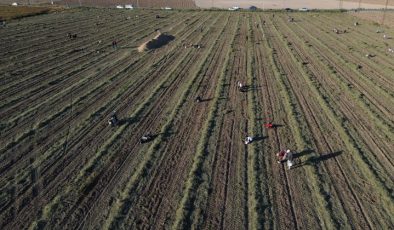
62 166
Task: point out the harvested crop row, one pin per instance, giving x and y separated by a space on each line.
377 66
341 178
292 182
63 166
376 91
87 50
80 85
98 121
163 136
354 114
225 166
169 162
94 177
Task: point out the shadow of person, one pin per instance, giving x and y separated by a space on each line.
313 160
128 120
206 99
321 158
252 88
302 153
258 138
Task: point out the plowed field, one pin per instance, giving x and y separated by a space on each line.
63 167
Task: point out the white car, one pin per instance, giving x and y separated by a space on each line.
128 7
234 8
304 9
119 7
167 8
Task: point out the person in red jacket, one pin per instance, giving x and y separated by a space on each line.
269 125
283 155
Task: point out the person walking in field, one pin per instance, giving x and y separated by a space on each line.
114 44
146 138
113 120
241 86
269 125
282 155
286 156
248 140
198 99
290 161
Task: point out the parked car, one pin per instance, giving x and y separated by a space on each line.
128 7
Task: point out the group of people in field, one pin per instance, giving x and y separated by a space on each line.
114 121
283 155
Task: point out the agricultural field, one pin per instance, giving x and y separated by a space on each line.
379 17
62 166
178 4
11 12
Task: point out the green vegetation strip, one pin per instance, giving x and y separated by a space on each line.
185 207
